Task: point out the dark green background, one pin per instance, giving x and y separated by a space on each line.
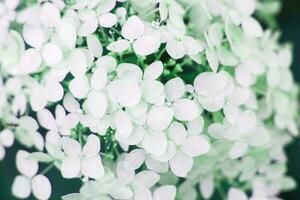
289 22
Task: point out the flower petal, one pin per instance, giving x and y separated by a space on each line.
92 167
146 178
41 187
21 187
96 104
134 159
195 146
46 119
181 164
133 28
165 192
159 117
123 123
146 45
79 87
235 193
155 143
70 167
71 146
92 146
185 110
24 165
174 89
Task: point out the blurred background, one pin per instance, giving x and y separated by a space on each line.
289 23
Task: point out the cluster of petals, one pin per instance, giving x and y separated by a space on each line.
74 73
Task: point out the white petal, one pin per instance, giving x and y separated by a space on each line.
133 28
141 192
175 49
24 165
212 59
7 138
235 193
41 187
146 178
118 46
174 89
60 114
71 146
154 70
185 110
70 167
238 150
123 123
37 98
67 34
46 119
105 6
210 83
246 7
53 91
151 90
195 146
196 126
107 20
207 187
21 187
79 87
126 175
88 27
70 103
96 104
77 62
247 120
156 166
165 192
34 36
50 15
92 146
108 62
177 133
94 46
252 27
126 70
92 167
52 53
155 143
135 137
99 78
30 60
192 46
146 45
159 117
130 94
181 164
2 152
243 77
168 155
134 159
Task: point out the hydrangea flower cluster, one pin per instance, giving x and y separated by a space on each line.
147 100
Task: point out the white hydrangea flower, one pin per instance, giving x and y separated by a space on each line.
30 182
85 161
171 88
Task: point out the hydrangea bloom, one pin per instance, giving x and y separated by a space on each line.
146 100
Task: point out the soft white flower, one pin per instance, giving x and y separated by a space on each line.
84 161
29 182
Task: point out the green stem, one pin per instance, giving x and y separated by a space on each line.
48 168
